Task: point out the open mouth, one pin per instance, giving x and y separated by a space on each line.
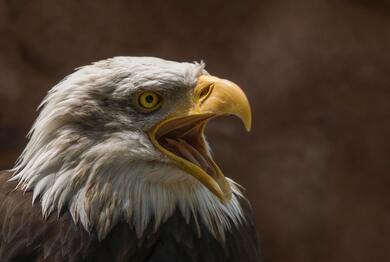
182 140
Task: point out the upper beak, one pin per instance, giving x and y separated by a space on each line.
181 137
221 97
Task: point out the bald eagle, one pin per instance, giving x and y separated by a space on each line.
117 168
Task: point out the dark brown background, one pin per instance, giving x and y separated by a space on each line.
316 164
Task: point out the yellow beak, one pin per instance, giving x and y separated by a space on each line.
181 137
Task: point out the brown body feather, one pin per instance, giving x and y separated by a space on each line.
26 236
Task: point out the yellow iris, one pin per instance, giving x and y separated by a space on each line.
149 100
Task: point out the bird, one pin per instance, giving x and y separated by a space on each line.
117 167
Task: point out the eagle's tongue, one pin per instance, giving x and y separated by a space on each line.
190 153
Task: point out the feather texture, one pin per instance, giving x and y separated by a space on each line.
26 236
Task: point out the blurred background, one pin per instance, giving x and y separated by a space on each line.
317 72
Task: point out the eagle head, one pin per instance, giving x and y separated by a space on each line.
123 138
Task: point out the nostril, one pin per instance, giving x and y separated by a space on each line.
204 92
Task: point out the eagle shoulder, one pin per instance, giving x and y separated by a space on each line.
26 236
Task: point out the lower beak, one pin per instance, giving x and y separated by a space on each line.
181 137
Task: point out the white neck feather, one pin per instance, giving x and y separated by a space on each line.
140 194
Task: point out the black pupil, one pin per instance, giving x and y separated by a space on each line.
149 99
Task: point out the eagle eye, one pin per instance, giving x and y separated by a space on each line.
149 100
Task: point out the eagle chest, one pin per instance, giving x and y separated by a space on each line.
25 236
